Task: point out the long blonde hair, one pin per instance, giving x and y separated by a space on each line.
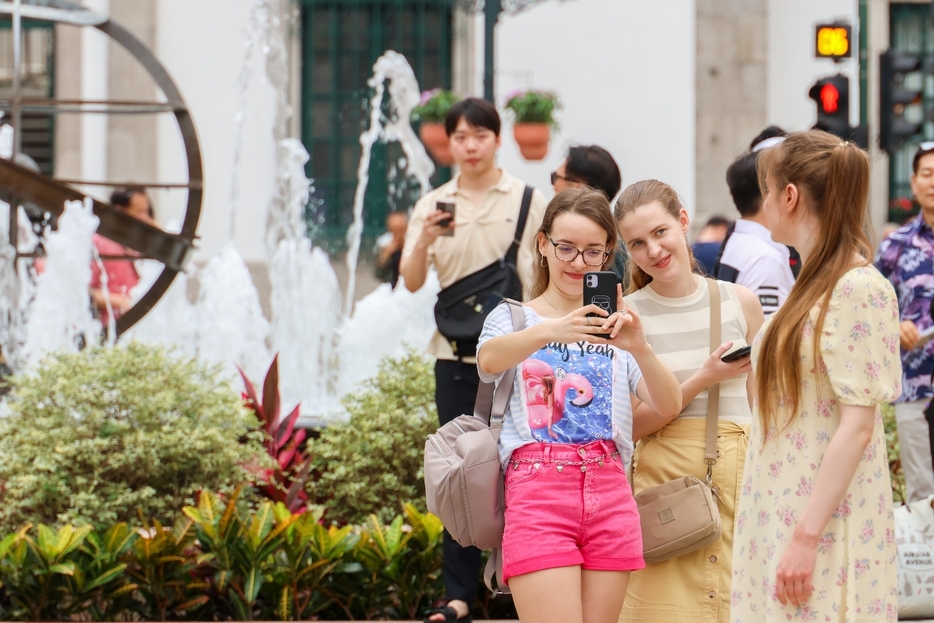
634 197
584 201
833 176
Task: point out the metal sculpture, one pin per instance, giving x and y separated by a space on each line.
20 185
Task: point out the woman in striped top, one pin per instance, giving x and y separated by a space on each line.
674 305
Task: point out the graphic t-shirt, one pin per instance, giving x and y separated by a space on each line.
565 393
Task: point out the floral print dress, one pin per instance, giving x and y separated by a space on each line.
855 575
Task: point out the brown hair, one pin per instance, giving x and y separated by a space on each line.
584 201
833 177
634 197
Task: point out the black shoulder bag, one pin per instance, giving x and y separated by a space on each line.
463 306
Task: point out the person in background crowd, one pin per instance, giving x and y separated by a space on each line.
487 206
814 536
905 258
706 247
593 166
121 271
673 303
389 247
749 256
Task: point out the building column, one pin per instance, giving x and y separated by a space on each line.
731 96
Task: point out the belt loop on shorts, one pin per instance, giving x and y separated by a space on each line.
547 451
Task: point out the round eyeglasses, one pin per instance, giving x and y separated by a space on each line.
567 253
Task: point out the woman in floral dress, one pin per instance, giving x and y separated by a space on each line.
814 535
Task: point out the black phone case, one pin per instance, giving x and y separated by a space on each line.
739 353
602 293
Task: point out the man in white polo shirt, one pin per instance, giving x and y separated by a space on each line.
481 231
749 256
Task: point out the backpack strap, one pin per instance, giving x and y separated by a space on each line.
493 400
494 568
512 254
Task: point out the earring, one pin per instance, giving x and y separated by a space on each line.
544 263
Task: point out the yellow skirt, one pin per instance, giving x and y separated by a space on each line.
694 587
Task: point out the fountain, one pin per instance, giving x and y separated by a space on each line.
326 344
59 317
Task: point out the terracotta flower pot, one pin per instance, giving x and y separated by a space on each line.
532 139
436 140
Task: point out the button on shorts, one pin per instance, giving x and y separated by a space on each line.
569 505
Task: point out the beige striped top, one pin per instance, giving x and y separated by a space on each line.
678 329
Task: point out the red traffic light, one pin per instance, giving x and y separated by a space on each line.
832 95
829 98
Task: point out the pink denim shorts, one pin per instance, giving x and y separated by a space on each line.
569 505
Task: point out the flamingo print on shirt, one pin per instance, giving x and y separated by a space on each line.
567 391
546 394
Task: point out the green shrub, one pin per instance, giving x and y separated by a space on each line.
373 461
93 436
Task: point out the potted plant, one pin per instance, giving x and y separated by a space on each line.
533 118
431 112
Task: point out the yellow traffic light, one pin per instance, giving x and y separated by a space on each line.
833 41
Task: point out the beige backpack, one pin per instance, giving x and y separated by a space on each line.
463 472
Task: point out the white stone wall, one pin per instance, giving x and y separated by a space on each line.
625 72
202 44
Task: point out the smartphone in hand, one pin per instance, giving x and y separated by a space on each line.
739 353
447 223
600 290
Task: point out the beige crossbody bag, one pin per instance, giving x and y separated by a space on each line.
682 516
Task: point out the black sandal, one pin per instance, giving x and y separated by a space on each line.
450 615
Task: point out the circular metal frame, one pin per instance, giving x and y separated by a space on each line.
20 184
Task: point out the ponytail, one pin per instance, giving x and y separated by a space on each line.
834 177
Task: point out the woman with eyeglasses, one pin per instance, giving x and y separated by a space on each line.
674 304
572 531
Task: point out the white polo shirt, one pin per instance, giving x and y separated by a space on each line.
752 259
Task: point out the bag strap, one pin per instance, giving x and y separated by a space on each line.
713 392
492 400
494 568
512 255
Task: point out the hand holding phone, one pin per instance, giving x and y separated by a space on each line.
739 353
446 223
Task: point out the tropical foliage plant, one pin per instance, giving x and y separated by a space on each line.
285 481
224 561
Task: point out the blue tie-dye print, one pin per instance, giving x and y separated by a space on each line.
586 406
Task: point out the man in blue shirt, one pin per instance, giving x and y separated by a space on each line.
906 258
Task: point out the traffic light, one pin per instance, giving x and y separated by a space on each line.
832 95
894 97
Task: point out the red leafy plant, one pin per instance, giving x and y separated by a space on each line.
286 483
